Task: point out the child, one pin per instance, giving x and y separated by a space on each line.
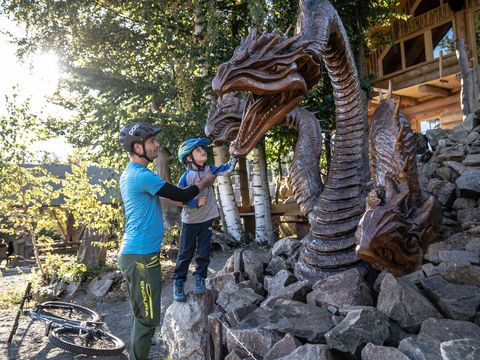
197 216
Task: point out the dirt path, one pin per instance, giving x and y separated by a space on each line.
30 342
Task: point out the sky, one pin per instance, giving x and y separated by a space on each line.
36 78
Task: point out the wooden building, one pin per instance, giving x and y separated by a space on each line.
422 64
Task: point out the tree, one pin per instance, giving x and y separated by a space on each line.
26 191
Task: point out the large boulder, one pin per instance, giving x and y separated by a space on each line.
185 328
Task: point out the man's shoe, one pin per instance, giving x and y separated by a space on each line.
199 285
178 290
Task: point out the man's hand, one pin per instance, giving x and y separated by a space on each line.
207 181
202 201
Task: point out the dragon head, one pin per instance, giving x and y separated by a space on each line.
277 71
388 237
224 119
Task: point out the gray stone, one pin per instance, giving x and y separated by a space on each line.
459 273
185 327
458 302
470 122
435 135
446 194
236 297
275 265
472 137
255 340
464 203
237 355
100 285
286 247
426 345
360 327
457 166
236 316
457 241
71 289
229 265
446 173
219 282
276 283
465 349
404 303
469 217
287 316
472 159
469 184
435 184
310 352
215 329
454 153
460 256
458 134
254 262
473 245
344 288
283 347
397 334
375 352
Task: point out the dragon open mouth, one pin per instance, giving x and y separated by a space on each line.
260 114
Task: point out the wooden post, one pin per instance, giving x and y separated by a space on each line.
464 67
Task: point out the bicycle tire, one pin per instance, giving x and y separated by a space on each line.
81 313
70 339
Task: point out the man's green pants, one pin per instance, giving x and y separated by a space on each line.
143 276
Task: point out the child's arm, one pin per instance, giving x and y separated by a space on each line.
226 168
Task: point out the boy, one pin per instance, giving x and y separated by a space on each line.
197 215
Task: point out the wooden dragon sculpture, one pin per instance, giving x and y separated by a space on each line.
278 71
223 124
397 225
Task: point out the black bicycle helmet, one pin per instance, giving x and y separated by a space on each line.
137 133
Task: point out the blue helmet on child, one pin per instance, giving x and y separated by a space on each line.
189 145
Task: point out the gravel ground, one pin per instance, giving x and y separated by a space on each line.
30 341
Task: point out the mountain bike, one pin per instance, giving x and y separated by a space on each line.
71 327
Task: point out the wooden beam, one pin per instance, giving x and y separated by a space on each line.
451 117
434 90
433 104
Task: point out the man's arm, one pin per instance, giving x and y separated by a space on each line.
175 193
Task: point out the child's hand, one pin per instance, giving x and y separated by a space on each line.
202 201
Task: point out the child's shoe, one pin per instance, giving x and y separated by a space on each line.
199 285
178 290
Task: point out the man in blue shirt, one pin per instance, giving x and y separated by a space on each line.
139 257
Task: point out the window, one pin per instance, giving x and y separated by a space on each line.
429 125
476 17
442 40
425 6
392 60
415 50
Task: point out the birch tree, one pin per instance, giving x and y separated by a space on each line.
261 198
227 198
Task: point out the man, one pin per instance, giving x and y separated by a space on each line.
139 255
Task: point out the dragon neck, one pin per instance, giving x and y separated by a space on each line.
305 163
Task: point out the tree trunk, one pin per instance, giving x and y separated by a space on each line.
244 188
261 198
227 198
91 251
171 212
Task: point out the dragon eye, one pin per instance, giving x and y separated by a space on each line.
277 68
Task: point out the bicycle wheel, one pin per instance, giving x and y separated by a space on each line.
67 311
95 342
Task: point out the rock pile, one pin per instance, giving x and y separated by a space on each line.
262 311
